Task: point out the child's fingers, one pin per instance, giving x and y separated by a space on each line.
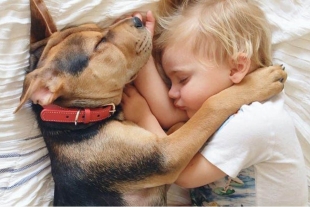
124 99
150 22
137 14
130 90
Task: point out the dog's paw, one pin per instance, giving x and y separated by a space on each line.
261 84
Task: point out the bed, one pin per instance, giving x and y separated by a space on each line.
25 177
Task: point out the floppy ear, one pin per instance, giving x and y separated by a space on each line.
36 51
42 86
239 68
42 27
42 24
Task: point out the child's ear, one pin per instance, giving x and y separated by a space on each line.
239 68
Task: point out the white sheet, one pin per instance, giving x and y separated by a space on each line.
291 46
24 165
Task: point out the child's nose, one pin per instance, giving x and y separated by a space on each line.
173 93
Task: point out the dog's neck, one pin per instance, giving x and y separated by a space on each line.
55 113
64 132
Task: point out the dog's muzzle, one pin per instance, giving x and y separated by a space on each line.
137 22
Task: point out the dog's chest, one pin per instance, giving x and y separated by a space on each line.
104 162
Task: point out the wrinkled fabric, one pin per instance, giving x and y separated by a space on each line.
25 177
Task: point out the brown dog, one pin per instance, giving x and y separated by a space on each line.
98 158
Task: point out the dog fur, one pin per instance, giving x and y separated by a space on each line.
114 162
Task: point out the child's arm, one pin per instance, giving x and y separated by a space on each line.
199 172
154 90
136 109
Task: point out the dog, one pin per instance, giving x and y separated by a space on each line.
75 80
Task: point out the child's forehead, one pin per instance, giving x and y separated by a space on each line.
172 53
179 58
177 50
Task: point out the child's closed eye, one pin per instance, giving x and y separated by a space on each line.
183 80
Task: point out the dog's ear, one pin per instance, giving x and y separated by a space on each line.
42 24
36 51
42 86
42 27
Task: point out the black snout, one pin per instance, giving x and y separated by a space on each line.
137 22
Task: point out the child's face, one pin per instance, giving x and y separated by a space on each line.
193 82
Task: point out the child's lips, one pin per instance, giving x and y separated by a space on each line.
183 108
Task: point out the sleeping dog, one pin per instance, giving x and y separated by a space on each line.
75 81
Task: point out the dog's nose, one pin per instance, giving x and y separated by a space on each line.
137 22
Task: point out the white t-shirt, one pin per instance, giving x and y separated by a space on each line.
259 148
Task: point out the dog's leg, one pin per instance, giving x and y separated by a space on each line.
175 127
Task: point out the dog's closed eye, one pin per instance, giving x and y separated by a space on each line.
103 40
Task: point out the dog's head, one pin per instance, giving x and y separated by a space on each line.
86 66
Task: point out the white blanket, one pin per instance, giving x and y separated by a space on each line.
25 177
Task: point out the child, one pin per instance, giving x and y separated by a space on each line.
206 46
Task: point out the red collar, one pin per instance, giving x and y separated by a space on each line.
54 113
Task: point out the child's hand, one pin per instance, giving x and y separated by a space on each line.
137 110
134 105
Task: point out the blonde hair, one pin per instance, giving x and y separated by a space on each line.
217 29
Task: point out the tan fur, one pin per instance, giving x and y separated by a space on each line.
110 66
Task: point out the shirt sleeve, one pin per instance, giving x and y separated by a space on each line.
243 140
